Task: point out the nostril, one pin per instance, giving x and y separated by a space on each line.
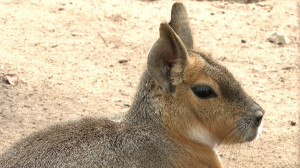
258 120
258 117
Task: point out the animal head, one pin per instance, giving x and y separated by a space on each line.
202 101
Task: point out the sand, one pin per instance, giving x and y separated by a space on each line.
66 71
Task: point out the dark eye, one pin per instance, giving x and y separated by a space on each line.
203 91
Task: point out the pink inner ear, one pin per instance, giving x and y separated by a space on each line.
169 60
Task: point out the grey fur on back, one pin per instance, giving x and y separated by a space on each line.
99 142
90 143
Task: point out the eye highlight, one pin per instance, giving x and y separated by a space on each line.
204 91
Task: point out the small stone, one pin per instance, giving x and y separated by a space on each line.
287 68
278 38
243 41
293 123
53 46
222 58
212 13
123 61
11 79
245 1
61 9
126 105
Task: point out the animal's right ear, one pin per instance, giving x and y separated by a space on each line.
167 59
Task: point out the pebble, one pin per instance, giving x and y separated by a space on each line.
243 41
126 104
11 79
278 38
293 123
287 68
245 1
123 61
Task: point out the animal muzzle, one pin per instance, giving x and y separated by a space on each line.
249 125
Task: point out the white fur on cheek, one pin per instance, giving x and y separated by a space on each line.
201 135
259 129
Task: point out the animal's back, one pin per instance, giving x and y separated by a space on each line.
89 143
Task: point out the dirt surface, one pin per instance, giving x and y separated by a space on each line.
67 71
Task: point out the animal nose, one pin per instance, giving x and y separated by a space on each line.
255 107
258 113
258 117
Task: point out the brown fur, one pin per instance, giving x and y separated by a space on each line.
168 125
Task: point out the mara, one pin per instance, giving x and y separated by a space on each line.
186 104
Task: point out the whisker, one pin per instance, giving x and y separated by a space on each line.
231 149
226 152
230 140
231 135
228 133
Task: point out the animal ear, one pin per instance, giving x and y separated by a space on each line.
167 59
180 24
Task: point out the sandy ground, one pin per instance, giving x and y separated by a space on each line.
66 71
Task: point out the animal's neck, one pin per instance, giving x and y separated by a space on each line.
192 153
196 155
145 108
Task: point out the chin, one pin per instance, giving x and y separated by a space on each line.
251 133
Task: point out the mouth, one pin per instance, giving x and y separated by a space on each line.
250 130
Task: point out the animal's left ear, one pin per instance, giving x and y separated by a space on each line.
180 24
167 59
